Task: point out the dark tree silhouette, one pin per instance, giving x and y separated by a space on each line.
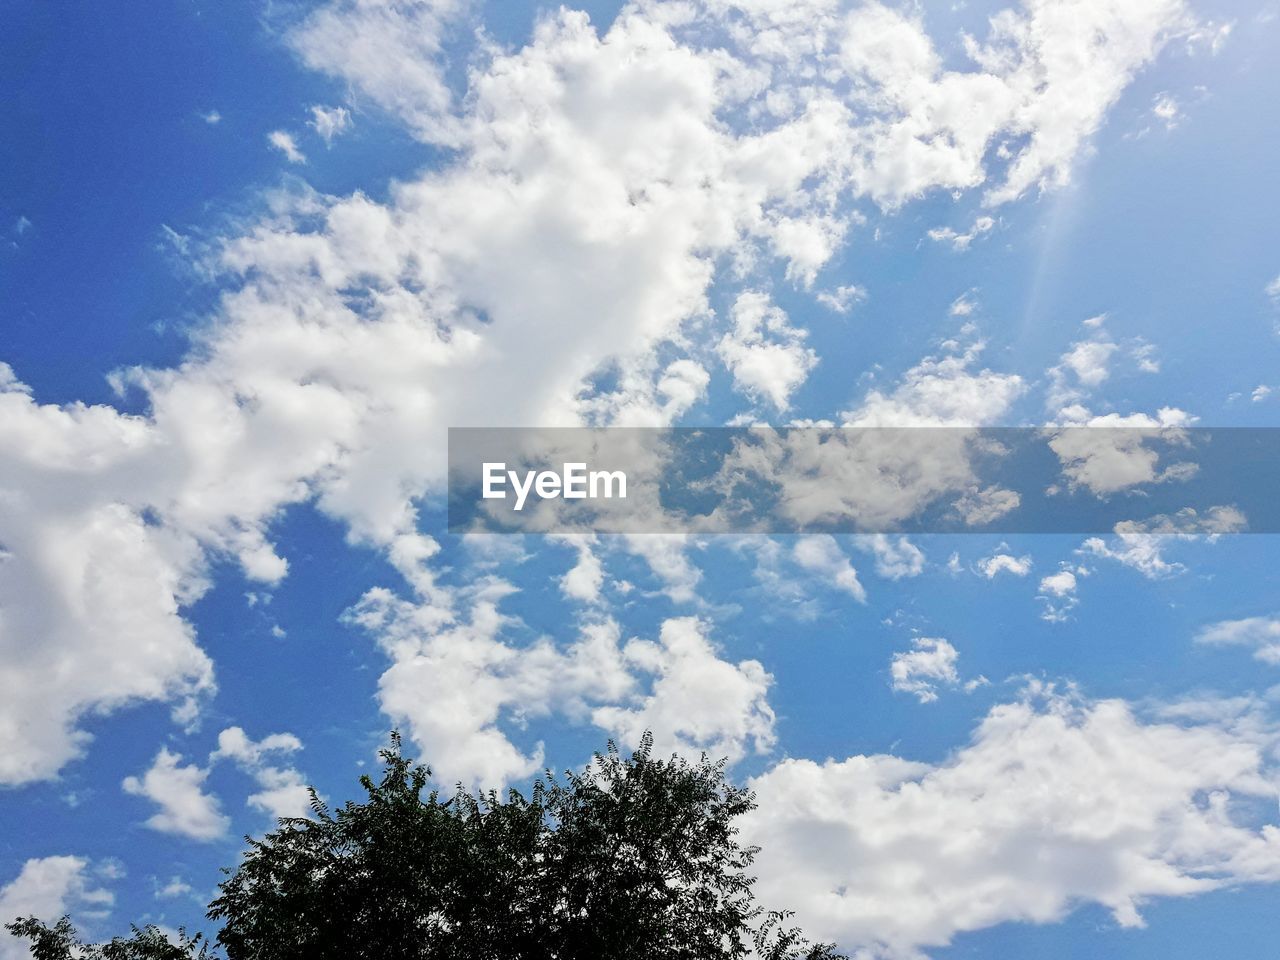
636 859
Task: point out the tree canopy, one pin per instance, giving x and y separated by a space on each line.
637 857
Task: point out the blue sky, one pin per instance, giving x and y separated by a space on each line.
256 258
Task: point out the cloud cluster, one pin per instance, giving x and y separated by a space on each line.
600 185
48 887
187 809
930 663
1057 801
462 684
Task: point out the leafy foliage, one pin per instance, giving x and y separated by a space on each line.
59 942
637 857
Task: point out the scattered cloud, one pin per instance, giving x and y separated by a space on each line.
897 558
329 122
962 241
283 792
284 142
990 567
1166 109
930 663
843 298
765 354
623 173
1058 593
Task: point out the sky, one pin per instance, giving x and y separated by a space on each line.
257 257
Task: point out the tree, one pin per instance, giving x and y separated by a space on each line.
638 857
60 942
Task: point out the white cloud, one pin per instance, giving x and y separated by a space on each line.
47 888
86 579
999 563
1124 456
667 559
765 354
1260 393
460 688
1262 634
1058 594
174 887
282 793
962 241
1083 368
1142 552
986 505
929 663
1060 584
178 790
389 51
685 665
1166 109
586 579
941 392
819 554
283 141
1140 545
1144 355
1056 802
621 175
188 810
896 558
1272 290
843 298
329 122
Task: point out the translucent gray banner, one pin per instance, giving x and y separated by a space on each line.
1160 480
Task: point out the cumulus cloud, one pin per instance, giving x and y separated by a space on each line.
897 558
282 791
178 790
1260 634
685 666
461 687
1126 454
941 392
389 51
930 663
843 298
1141 545
1272 290
601 184
187 809
47 888
990 567
821 555
1083 368
585 581
1058 593
765 354
1056 801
